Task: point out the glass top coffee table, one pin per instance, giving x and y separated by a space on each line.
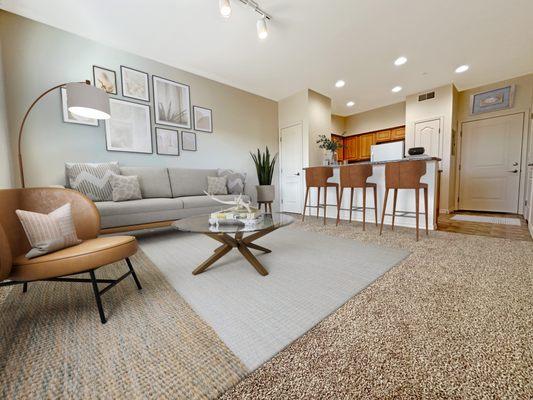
232 236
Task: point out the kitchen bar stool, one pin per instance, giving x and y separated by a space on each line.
353 177
317 177
405 175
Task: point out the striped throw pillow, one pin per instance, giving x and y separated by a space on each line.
49 232
92 179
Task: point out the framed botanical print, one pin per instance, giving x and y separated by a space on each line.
167 142
130 128
72 118
493 100
188 141
134 84
172 103
105 79
203 119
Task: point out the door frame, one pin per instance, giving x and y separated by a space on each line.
280 178
523 156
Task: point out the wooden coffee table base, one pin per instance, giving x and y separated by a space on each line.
243 244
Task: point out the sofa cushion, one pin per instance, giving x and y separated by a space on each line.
137 206
205 201
125 187
92 179
153 180
189 182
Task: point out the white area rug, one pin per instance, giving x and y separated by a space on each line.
487 220
310 276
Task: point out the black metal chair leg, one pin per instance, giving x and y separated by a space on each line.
25 287
97 297
137 282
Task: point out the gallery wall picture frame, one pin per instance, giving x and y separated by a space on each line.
130 127
203 119
172 103
134 83
492 100
167 142
105 79
188 141
71 118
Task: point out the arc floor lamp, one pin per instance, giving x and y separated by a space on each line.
83 100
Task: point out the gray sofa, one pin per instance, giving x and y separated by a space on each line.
168 194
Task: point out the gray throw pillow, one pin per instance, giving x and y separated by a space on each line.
125 187
216 185
92 179
235 180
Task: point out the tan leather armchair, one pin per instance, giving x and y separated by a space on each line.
91 254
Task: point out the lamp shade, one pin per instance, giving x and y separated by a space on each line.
87 101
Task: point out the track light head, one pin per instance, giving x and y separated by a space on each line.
262 30
225 8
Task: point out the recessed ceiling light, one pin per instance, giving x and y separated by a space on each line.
350 104
461 69
340 83
396 89
400 61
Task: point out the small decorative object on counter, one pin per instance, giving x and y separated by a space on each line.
330 148
416 151
264 166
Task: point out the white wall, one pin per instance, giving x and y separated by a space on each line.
374 120
5 155
37 57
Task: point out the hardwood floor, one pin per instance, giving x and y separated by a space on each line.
446 223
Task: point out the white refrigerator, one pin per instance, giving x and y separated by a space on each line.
387 151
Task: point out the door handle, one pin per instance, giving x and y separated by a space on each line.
514 171
297 174
515 164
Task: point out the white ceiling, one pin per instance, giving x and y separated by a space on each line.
312 43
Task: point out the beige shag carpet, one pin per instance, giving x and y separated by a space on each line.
454 320
53 346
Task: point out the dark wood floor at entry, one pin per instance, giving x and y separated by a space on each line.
446 223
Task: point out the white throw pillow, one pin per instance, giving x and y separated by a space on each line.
125 187
216 185
49 232
92 179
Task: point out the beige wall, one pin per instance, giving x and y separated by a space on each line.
319 124
338 124
294 110
37 56
5 155
375 120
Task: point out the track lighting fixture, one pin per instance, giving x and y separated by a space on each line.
262 30
225 8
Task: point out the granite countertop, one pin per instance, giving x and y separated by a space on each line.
385 162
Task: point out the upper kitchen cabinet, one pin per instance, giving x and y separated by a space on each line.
365 142
398 133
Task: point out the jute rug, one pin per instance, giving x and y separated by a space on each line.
153 345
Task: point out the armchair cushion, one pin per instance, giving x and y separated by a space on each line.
90 254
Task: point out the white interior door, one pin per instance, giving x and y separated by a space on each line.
491 154
428 136
291 168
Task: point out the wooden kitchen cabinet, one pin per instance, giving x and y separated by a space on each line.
365 141
398 133
351 149
383 136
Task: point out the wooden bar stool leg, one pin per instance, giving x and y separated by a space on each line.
364 207
384 208
375 204
417 210
325 203
351 203
318 203
339 206
426 209
394 206
305 203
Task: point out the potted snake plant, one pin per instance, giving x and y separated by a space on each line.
264 165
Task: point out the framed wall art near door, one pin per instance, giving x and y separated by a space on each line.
492 100
172 103
105 79
166 141
130 128
188 141
134 84
203 119
71 118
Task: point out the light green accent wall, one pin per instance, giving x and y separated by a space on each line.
37 57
